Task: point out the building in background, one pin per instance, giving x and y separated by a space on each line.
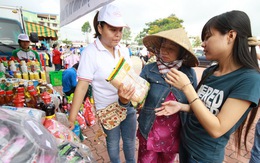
45 19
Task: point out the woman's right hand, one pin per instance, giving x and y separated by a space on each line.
71 125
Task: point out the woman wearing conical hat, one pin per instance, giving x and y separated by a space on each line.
159 137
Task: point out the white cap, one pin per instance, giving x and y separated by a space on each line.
111 15
23 37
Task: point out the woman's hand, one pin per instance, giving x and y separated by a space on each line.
125 93
168 108
71 125
177 79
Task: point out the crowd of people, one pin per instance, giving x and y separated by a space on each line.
194 121
61 57
185 118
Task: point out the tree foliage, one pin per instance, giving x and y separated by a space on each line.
171 22
126 35
67 42
197 42
86 28
139 37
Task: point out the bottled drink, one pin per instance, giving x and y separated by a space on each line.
64 104
2 97
76 129
18 101
9 97
48 106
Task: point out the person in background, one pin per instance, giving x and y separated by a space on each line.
61 49
42 47
69 79
96 63
34 47
255 152
24 52
228 93
81 49
152 57
159 137
129 49
56 57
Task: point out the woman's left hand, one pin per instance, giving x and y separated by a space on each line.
125 93
168 108
177 78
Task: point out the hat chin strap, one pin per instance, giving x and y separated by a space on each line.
162 62
168 64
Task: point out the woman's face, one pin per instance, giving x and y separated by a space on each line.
169 51
110 36
216 46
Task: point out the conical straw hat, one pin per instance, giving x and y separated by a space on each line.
178 36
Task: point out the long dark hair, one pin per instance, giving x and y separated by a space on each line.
242 53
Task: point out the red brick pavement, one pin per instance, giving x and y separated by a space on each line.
100 153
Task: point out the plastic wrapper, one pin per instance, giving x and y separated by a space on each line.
81 120
56 98
62 118
124 73
60 131
23 139
75 152
88 113
36 114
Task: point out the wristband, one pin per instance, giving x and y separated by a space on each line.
185 86
194 100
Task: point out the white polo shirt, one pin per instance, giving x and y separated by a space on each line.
95 65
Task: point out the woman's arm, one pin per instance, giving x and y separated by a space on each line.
78 97
218 125
171 107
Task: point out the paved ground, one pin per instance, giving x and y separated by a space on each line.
100 154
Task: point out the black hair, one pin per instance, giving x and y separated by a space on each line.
76 65
54 45
240 23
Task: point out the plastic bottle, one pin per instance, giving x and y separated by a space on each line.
9 97
43 75
18 75
5 62
31 74
2 97
18 101
64 104
25 76
2 67
76 129
36 75
28 65
48 106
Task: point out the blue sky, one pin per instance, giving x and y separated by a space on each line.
195 13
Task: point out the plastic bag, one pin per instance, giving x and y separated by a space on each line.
88 113
59 131
36 114
75 152
62 118
23 139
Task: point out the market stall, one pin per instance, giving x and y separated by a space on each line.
33 118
